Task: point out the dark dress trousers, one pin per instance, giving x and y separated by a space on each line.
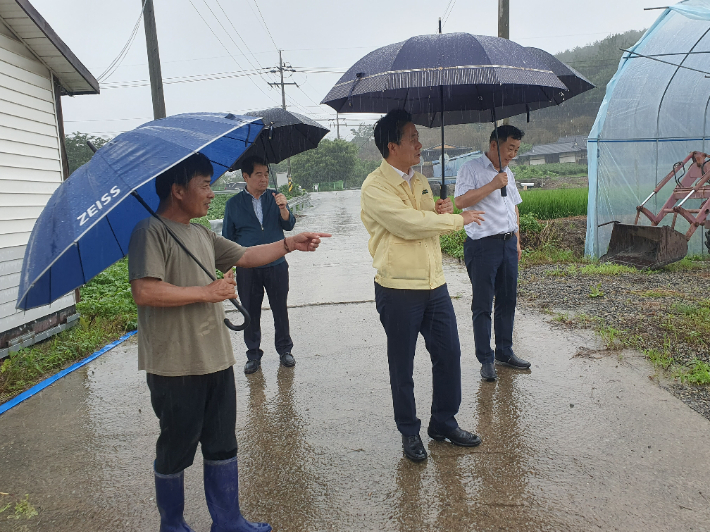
404 314
492 265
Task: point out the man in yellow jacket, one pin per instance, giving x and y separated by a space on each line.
404 221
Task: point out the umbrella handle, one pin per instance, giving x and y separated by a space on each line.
247 317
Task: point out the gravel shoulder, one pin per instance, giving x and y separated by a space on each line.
665 314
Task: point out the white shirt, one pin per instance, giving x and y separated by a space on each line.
407 177
500 211
256 203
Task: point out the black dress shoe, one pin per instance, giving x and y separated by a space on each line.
287 360
513 362
488 372
413 448
458 436
251 366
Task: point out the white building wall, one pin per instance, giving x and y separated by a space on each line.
30 167
569 158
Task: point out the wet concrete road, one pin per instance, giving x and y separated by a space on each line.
578 443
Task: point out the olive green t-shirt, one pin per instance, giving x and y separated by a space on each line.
190 339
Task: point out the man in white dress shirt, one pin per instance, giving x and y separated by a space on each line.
492 250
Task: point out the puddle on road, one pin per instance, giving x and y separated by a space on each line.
577 443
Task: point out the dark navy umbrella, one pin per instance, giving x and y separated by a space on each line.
87 223
451 78
285 134
575 82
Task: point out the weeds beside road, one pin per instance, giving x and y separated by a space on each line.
107 313
665 314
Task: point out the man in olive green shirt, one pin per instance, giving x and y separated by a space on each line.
183 344
405 221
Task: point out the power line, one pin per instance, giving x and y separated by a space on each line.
446 16
212 76
237 32
225 48
228 33
113 66
182 79
108 119
264 22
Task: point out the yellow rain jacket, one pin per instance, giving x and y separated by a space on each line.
404 229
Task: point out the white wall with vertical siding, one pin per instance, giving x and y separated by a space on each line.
30 167
568 158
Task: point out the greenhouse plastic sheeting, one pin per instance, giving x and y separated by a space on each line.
653 115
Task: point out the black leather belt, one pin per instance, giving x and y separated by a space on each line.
502 236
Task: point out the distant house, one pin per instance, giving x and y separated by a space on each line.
36 68
434 153
565 150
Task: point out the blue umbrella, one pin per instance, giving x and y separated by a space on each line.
87 223
452 78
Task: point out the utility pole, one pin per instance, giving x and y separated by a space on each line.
156 78
281 69
337 124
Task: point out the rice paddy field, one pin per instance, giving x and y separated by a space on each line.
556 203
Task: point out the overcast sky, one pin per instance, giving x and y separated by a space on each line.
319 38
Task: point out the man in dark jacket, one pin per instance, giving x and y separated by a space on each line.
257 216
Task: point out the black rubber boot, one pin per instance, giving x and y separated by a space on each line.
222 494
170 497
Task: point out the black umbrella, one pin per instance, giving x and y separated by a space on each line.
452 78
575 82
285 134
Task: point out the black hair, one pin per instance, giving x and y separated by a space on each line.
249 163
195 165
390 128
505 132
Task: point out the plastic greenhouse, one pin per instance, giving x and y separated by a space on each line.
655 112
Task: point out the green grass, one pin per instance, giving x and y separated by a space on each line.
698 373
593 268
547 254
661 359
523 172
605 268
551 204
107 312
24 509
452 243
694 262
596 291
